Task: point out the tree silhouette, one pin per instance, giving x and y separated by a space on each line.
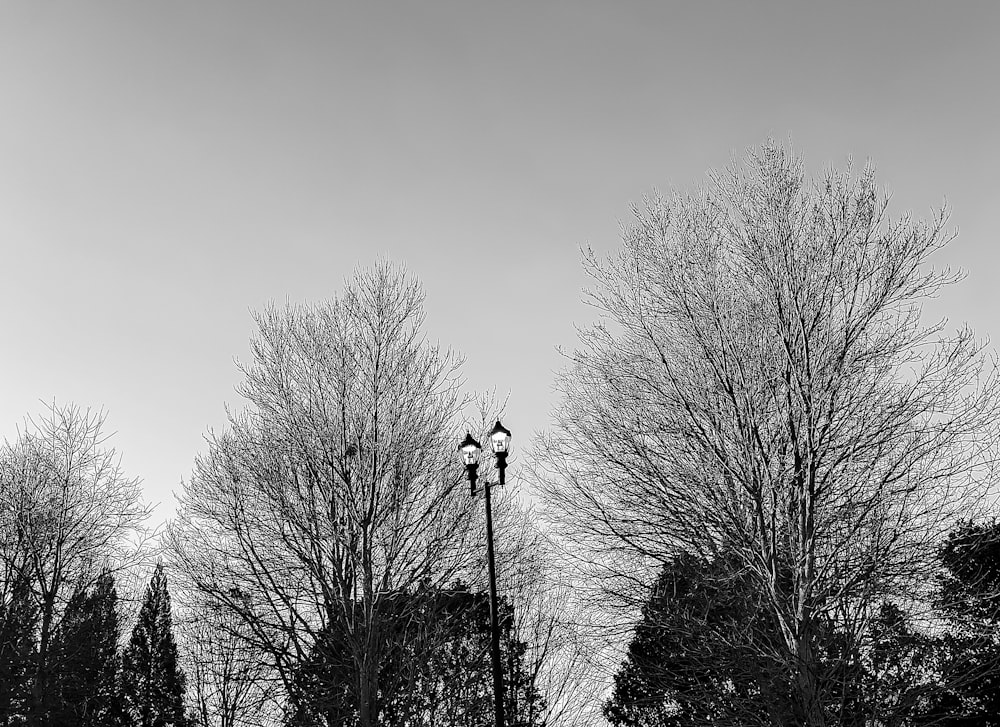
18 624
703 653
86 689
970 598
761 376
436 667
337 485
152 680
65 505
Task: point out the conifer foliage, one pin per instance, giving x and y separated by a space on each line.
152 681
18 624
435 669
87 692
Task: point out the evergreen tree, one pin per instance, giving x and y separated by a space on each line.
708 652
85 690
18 624
152 681
435 665
697 654
970 599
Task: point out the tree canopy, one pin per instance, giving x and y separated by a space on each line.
762 384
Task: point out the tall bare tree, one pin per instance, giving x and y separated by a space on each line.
229 684
762 383
67 514
545 605
337 486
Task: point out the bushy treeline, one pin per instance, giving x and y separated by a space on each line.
940 667
435 669
82 676
75 654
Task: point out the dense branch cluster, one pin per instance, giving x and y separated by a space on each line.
764 395
767 499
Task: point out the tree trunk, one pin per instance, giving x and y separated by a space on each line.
40 689
810 704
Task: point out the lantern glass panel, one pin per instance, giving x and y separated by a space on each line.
500 441
470 449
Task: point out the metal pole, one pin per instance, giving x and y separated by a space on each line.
494 618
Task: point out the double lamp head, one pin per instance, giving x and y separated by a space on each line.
471 449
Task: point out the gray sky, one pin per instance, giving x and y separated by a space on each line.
167 167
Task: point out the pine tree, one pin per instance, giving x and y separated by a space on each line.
18 624
85 686
152 681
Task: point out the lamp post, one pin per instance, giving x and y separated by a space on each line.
470 449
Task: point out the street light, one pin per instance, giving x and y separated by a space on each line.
470 457
470 449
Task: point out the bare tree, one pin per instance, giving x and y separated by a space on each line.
565 687
68 513
762 383
531 576
337 487
228 683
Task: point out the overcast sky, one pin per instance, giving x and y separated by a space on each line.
165 168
